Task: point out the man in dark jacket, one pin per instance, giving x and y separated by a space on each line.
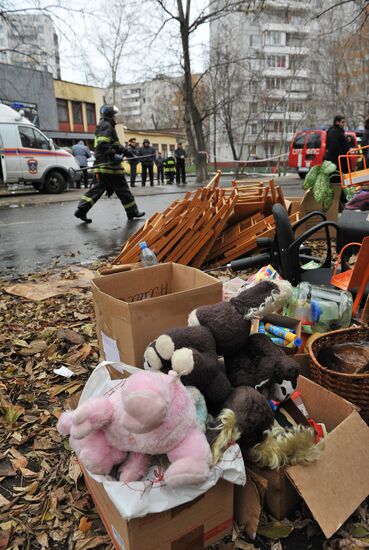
110 176
133 147
180 156
147 154
337 144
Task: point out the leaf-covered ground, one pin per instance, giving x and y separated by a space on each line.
43 499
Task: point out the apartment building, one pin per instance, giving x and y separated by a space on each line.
30 40
272 55
151 104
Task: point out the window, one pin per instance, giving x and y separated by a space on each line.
253 129
296 107
277 61
255 40
33 139
91 113
62 106
41 141
273 83
77 112
254 108
275 38
299 141
314 141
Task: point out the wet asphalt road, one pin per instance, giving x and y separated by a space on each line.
36 234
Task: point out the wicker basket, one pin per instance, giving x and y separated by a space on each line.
353 387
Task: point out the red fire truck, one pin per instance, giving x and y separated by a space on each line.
308 148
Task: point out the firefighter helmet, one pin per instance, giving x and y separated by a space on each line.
109 111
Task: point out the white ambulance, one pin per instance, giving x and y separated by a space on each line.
28 156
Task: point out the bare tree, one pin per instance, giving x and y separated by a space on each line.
181 13
111 36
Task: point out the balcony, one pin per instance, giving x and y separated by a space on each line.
282 49
291 5
287 27
281 72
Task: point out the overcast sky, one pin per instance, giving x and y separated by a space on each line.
79 21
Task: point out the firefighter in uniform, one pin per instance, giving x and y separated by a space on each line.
170 169
109 177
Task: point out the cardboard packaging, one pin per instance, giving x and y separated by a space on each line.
280 321
333 487
192 526
134 307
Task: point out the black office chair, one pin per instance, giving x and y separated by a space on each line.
286 252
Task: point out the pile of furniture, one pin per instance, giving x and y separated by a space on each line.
210 226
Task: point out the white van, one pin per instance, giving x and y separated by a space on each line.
28 156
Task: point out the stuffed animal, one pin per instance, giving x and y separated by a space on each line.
264 366
192 350
149 413
253 416
230 322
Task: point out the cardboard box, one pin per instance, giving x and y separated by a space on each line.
280 321
135 307
191 526
332 487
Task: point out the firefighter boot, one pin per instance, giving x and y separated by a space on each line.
133 213
82 216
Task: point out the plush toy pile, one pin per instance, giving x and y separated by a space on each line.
152 412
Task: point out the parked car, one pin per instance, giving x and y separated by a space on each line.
28 156
308 148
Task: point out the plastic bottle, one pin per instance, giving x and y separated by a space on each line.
147 255
320 309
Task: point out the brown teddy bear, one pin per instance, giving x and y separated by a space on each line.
223 329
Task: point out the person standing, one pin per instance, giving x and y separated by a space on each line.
365 141
133 147
147 154
180 156
337 144
159 162
170 169
109 173
81 153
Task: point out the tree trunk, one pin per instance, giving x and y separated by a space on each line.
193 121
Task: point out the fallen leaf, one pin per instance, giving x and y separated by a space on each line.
3 502
84 524
92 542
19 462
70 336
12 413
6 470
28 489
359 530
4 538
275 530
74 471
37 346
43 540
80 316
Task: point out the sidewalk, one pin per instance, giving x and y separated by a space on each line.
31 197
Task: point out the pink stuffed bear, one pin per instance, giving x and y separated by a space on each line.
149 413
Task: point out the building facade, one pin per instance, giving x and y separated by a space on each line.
261 77
30 40
78 111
